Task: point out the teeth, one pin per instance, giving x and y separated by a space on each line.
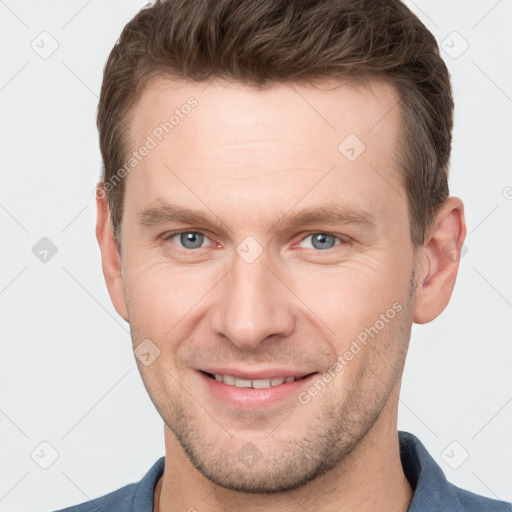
227 379
243 383
256 384
261 383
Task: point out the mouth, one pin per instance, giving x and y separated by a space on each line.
263 383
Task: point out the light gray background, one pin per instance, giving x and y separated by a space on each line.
68 375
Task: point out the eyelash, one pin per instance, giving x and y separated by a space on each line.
170 236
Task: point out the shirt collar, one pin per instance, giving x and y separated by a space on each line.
431 489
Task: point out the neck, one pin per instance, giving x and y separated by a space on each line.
370 478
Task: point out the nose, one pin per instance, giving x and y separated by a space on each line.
254 304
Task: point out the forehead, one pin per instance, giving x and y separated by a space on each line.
227 112
257 146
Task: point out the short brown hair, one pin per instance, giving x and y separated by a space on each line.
262 42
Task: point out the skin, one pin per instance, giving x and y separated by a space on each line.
247 158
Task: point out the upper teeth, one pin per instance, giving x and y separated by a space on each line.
257 383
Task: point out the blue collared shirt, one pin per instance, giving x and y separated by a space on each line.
432 492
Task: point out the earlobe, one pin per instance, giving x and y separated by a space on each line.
110 257
439 261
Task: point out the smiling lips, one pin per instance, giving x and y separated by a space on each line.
249 390
256 383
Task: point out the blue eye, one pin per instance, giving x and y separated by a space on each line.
190 239
321 241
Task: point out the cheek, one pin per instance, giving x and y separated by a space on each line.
373 359
352 296
159 294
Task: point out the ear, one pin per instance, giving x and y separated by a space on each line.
110 256
438 261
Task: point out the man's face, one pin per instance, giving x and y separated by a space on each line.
255 292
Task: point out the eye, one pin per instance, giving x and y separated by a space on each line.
322 241
188 239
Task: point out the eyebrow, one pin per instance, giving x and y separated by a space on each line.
329 214
172 213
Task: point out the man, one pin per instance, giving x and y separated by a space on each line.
274 214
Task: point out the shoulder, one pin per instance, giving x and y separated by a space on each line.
133 497
476 503
432 491
121 499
